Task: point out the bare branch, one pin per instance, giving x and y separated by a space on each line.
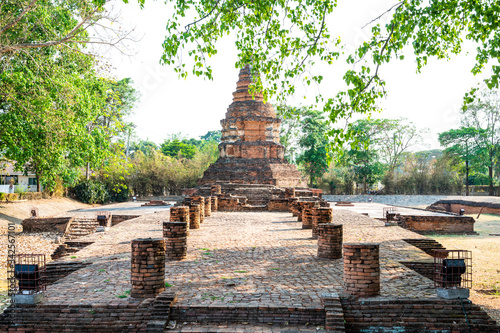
317 37
387 11
187 27
65 39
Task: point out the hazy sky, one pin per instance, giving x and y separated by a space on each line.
194 106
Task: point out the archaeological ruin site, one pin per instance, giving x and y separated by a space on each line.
251 249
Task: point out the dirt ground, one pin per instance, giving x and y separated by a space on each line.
485 261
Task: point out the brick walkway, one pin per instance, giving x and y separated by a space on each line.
238 259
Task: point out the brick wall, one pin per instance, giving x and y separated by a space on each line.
46 224
455 208
439 224
249 314
129 316
414 316
116 219
278 205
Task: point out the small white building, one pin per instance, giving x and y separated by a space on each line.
11 180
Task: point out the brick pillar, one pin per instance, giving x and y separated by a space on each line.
317 192
215 189
208 206
320 215
307 215
175 234
147 267
306 218
180 214
201 201
214 203
194 216
330 240
292 205
361 269
289 192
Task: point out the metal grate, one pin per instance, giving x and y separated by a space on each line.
390 213
452 269
29 271
102 218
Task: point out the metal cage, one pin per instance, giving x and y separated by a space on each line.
30 273
452 269
390 213
102 218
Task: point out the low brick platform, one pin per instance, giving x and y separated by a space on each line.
262 265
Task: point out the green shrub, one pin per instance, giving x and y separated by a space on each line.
3 196
119 193
91 192
12 196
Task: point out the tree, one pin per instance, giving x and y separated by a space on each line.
178 149
394 138
47 100
314 144
462 143
290 130
50 92
27 25
363 156
212 135
283 40
145 146
484 115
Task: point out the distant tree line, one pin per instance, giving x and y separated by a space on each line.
379 157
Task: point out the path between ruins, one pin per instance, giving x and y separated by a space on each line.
239 259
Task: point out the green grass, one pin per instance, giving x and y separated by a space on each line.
240 271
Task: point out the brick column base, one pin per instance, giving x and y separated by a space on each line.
214 201
175 234
330 240
361 269
147 267
208 206
194 216
320 215
180 214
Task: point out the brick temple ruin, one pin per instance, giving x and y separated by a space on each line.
251 159
290 263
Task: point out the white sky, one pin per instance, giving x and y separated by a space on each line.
194 106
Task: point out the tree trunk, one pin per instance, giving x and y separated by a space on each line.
38 183
490 174
87 172
466 178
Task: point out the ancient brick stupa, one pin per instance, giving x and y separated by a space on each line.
250 152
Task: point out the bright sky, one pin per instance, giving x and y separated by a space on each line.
194 106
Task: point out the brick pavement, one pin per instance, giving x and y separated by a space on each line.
241 259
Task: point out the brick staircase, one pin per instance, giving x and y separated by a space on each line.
426 244
80 227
